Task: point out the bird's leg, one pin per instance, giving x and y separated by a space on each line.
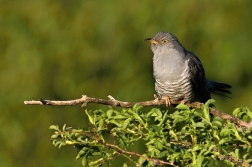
167 100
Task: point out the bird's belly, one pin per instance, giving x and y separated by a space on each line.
177 90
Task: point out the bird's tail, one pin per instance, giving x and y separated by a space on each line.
219 88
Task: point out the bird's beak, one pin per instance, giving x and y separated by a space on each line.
153 41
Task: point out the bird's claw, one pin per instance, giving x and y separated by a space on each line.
167 101
166 98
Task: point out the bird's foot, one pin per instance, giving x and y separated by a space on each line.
167 101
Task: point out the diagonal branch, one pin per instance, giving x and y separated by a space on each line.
113 102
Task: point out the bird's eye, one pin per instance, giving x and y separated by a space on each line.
164 41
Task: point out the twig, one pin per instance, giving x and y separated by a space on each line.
113 102
121 151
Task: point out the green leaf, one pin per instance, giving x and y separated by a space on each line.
115 123
178 119
182 107
151 164
54 127
62 144
217 123
126 123
199 124
226 132
84 161
81 153
59 143
101 123
96 153
163 119
206 122
109 113
236 111
217 118
249 113
125 165
245 156
237 135
157 114
209 150
141 160
137 107
90 118
55 136
68 128
159 145
119 117
237 153
206 114
149 114
222 141
196 147
64 127
209 102
173 134
199 161
137 117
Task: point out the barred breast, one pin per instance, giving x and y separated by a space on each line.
179 89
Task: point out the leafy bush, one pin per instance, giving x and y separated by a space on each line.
186 137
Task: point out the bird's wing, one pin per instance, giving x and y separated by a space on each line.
197 76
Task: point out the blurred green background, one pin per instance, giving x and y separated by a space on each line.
63 49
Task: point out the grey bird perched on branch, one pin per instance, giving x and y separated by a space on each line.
179 74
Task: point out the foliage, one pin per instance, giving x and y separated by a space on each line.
186 137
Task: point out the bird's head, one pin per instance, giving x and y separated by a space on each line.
163 40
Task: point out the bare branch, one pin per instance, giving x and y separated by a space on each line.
113 102
85 100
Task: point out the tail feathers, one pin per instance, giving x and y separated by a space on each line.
218 88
